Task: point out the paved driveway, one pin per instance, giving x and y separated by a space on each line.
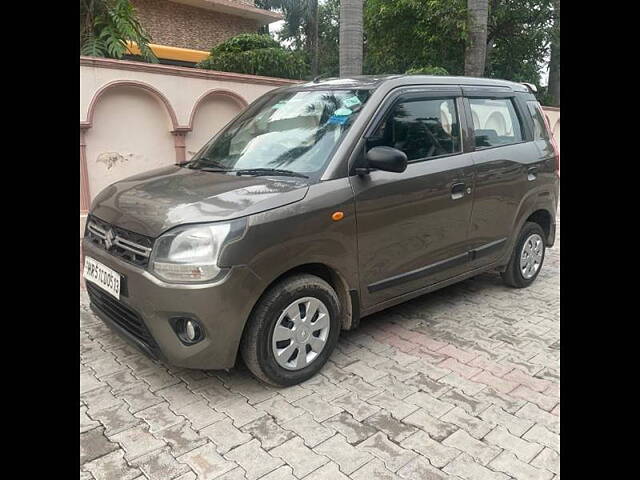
461 383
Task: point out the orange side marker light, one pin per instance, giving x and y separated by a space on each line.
337 216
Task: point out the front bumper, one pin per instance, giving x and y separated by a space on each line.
222 309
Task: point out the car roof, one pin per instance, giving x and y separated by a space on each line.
375 81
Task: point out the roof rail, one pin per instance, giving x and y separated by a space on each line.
530 86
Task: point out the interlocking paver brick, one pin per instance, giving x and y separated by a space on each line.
425 384
543 436
139 397
94 444
508 463
501 384
480 451
497 416
472 425
199 414
225 435
280 409
356 407
137 441
116 418
112 466
430 404
374 470
161 465
321 385
393 456
86 423
362 389
397 408
181 438
466 467
395 429
157 379
318 407
120 381
398 388
467 371
302 459
353 430
341 452
495 368
507 403
253 459
364 371
420 469
329 471
158 417
268 432
535 414
437 429
547 459
437 453
467 386
541 400
206 462
178 395
312 432
522 449
537 384
239 410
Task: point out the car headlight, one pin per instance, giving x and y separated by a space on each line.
190 254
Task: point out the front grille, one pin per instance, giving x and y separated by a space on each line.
130 246
124 317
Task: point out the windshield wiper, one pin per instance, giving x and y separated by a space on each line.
268 171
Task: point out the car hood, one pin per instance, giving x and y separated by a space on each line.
160 199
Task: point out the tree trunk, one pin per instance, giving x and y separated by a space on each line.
554 62
312 39
475 51
351 38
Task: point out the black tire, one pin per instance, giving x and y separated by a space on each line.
513 276
255 346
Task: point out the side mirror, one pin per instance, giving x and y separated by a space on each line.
388 159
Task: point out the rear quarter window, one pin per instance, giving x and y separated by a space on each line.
539 128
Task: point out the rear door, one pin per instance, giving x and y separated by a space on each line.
412 226
505 166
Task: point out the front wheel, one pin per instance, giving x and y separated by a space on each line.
292 331
527 257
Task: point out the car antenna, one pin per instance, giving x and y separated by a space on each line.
319 77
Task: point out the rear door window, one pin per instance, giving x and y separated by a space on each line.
495 122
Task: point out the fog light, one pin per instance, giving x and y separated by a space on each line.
188 330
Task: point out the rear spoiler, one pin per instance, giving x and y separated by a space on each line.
532 88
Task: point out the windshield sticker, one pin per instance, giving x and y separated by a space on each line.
338 120
352 102
341 112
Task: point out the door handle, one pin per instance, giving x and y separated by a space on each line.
532 173
458 190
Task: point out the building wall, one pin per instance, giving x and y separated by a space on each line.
137 116
179 25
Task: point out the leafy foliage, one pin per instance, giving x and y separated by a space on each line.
405 34
256 55
244 42
107 25
428 70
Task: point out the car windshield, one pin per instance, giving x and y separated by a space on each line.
290 131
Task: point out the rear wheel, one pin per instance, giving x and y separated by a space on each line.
527 257
292 331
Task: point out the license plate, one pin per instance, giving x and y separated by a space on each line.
102 276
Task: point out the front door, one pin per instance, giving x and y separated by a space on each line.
412 226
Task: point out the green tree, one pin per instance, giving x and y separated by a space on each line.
405 34
107 25
554 62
